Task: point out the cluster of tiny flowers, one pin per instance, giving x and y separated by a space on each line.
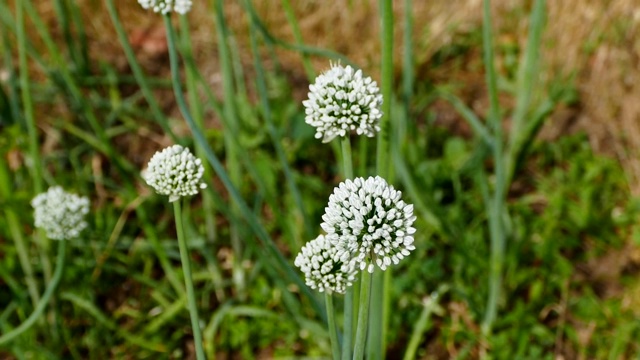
175 172
368 223
341 101
60 214
322 270
166 6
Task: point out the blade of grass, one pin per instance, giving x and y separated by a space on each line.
297 35
232 130
467 114
137 71
275 137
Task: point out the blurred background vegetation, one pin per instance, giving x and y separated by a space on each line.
571 284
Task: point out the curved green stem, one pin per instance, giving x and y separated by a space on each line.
186 266
42 304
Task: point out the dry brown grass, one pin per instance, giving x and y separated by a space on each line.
593 39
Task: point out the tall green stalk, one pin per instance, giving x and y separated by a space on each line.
186 267
495 206
232 130
27 103
349 296
379 311
46 297
333 330
363 315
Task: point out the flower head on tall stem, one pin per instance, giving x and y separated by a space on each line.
322 270
175 172
342 100
59 213
368 223
166 6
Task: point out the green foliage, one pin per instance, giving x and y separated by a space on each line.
121 296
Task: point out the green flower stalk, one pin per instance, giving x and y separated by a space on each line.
176 172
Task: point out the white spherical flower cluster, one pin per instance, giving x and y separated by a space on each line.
341 101
166 6
322 270
368 223
60 214
175 172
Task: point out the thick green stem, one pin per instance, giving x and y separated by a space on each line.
496 203
331 322
186 267
379 304
347 162
363 315
347 168
46 297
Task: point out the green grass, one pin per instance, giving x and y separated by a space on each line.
561 208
